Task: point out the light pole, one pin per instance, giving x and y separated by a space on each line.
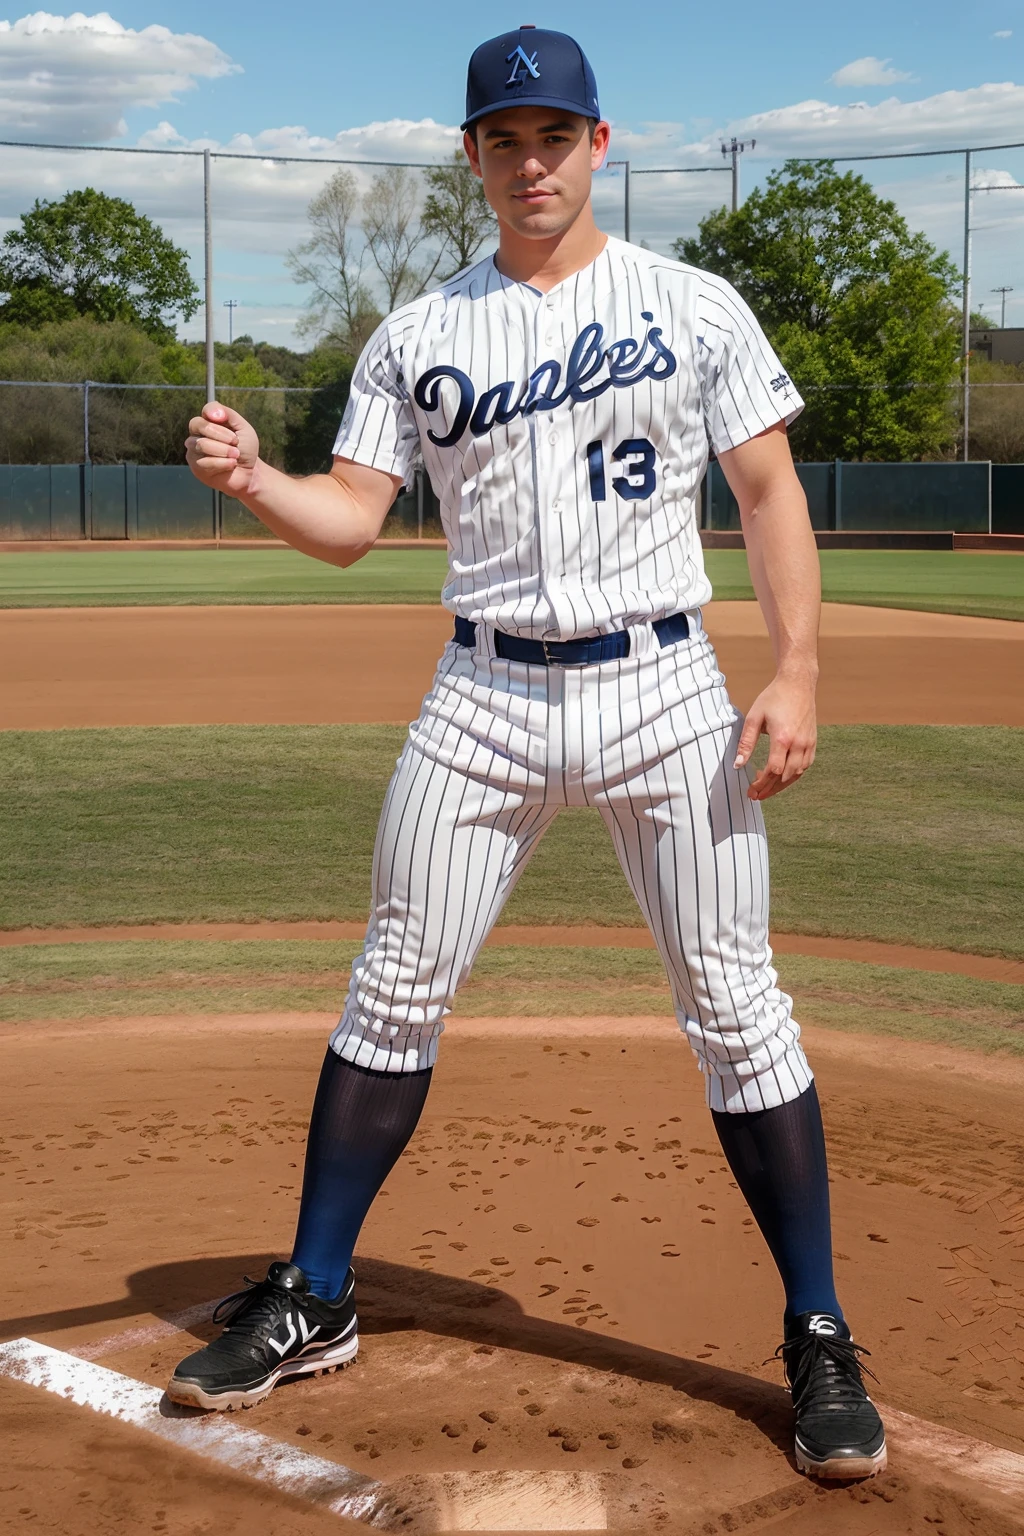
231 305
1002 312
735 149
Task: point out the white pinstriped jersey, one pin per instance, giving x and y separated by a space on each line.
566 434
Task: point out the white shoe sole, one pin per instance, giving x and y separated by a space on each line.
335 1358
841 1468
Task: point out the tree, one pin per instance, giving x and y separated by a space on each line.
313 420
94 255
395 235
333 263
860 309
456 213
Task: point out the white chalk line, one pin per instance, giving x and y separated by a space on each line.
482 1501
1001 1471
337 1487
106 1391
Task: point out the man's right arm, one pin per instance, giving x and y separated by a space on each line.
333 517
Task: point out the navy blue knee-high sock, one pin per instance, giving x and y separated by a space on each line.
778 1159
360 1124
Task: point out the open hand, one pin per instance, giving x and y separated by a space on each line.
785 709
222 449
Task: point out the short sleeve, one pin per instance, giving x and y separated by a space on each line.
378 428
744 387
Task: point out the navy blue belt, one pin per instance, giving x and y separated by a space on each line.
572 653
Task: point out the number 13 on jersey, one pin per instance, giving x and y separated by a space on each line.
639 469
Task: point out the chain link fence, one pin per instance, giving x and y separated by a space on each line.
99 423
303 251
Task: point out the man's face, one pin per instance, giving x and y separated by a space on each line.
536 164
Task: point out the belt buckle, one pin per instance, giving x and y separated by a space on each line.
551 661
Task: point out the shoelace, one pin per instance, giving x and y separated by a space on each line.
824 1364
234 1306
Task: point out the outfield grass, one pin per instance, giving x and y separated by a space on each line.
909 834
988 585
937 581
74 981
140 578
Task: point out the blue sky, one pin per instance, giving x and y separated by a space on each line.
387 82
329 67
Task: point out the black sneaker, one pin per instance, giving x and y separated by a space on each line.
273 1329
838 1430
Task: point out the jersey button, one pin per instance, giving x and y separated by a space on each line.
552 438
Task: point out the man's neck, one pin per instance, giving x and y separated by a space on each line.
545 263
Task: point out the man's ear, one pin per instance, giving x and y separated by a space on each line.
472 153
599 144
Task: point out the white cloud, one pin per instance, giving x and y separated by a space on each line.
987 179
1007 32
74 77
868 71
259 206
984 112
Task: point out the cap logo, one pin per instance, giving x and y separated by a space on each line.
521 60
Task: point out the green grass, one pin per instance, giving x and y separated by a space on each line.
73 981
937 581
988 585
140 577
932 580
909 834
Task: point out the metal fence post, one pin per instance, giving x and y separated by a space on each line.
85 420
838 493
419 503
626 209
211 370
967 304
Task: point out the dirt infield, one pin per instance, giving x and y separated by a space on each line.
581 1344
339 664
575 1290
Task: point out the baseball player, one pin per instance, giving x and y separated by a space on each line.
563 395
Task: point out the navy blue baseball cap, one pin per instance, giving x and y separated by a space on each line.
530 68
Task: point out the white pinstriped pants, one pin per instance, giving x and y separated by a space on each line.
499 746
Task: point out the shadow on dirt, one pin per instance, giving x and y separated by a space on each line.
393 1297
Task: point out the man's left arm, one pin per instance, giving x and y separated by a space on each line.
783 560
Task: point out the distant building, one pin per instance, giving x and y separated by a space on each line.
999 346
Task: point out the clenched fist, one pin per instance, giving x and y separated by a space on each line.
222 449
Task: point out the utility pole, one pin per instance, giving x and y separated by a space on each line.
735 149
1002 313
231 305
